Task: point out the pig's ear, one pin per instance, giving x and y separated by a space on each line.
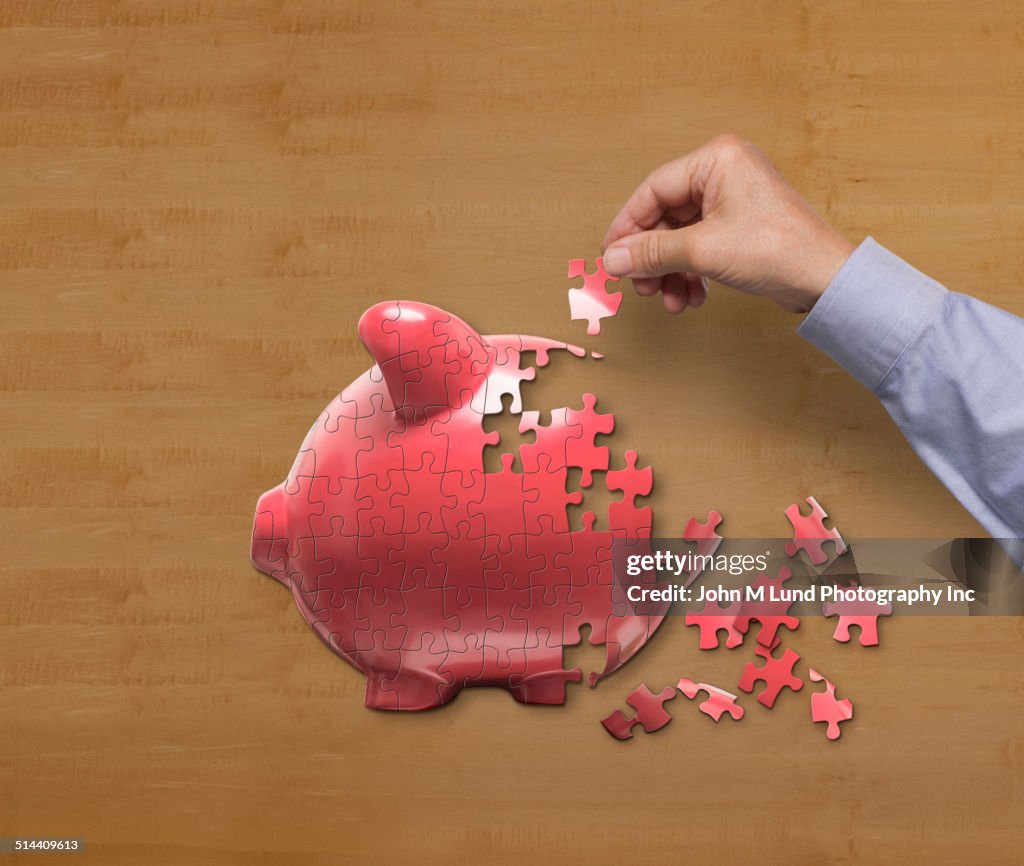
429 358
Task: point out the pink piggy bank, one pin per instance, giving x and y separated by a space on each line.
419 568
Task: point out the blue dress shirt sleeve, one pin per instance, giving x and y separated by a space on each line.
949 369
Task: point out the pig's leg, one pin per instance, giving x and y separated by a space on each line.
544 680
408 690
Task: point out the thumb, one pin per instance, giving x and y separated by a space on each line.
654 253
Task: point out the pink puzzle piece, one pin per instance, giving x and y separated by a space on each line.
770 615
505 376
706 537
810 534
713 619
650 713
582 451
625 516
826 708
569 440
775 673
719 700
593 301
862 614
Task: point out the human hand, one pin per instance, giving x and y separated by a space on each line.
723 212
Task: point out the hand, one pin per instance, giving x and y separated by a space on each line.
724 213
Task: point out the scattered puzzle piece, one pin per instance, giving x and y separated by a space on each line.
650 713
825 707
592 302
706 537
861 614
810 534
770 615
775 673
719 701
712 619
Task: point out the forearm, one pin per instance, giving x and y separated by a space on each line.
949 369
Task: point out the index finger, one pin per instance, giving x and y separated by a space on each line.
676 187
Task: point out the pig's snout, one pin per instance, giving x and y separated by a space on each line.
270 534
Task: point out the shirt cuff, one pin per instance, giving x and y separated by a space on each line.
871 312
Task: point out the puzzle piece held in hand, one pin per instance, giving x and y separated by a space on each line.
650 713
592 302
719 700
810 534
825 707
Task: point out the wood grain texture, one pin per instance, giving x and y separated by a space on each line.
199 199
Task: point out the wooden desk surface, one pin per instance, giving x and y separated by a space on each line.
198 200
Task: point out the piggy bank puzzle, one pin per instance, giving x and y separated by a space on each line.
421 569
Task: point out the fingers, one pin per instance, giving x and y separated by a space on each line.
647 287
650 286
664 240
657 253
674 293
676 187
680 291
671 261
